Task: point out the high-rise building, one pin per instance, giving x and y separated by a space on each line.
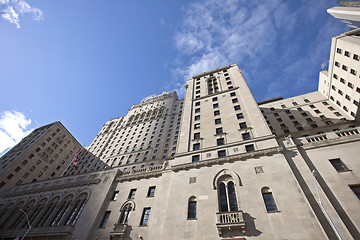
348 12
215 165
45 153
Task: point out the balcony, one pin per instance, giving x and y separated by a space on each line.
230 223
118 231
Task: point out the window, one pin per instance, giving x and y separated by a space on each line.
344 67
243 125
350 85
347 54
192 208
215 105
219 130
356 190
218 121
268 200
250 148
353 72
105 219
356 57
214 99
337 64
246 136
145 217
338 165
235 100
232 94
197 110
220 141
237 107
196 146
196 135
338 50
197 103
125 213
227 196
195 158
132 193
217 112
197 118
151 192
239 115
221 153
196 125
115 195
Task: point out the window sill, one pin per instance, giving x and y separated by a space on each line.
143 225
190 219
277 211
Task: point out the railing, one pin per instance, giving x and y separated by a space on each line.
317 138
347 132
143 170
230 218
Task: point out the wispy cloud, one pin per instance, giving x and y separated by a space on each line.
269 40
14 126
11 9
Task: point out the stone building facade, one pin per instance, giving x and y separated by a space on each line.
214 165
45 153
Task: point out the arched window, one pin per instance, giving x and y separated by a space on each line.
49 208
125 213
61 210
76 209
268 200
192 208
227 195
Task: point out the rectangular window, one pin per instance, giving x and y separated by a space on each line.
356 190
237 107
338 165
219 130
353 72
197 103
218 121
344 67
215 105
250 148
356 57
214 99
246 136
115 195
220 141
105 219
235 100
196 146
197 118
243 125
232 94
132 193
151 192
196 125
145 217
239 115
347 54
195 158
269 202
217 112
197 110
221 153
196 135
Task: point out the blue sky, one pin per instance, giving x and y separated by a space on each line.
85 62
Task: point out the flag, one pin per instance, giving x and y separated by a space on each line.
75 160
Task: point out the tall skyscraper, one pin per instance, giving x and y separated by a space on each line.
215 165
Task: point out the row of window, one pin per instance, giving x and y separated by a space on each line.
348 54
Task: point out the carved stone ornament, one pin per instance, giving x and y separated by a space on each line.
259 169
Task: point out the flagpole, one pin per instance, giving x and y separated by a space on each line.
71 161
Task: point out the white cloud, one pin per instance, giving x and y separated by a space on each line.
13 127
10 11
269 39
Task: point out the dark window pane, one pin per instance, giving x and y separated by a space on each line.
269 202
232 197
223 198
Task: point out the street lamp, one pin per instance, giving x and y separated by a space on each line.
27 222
